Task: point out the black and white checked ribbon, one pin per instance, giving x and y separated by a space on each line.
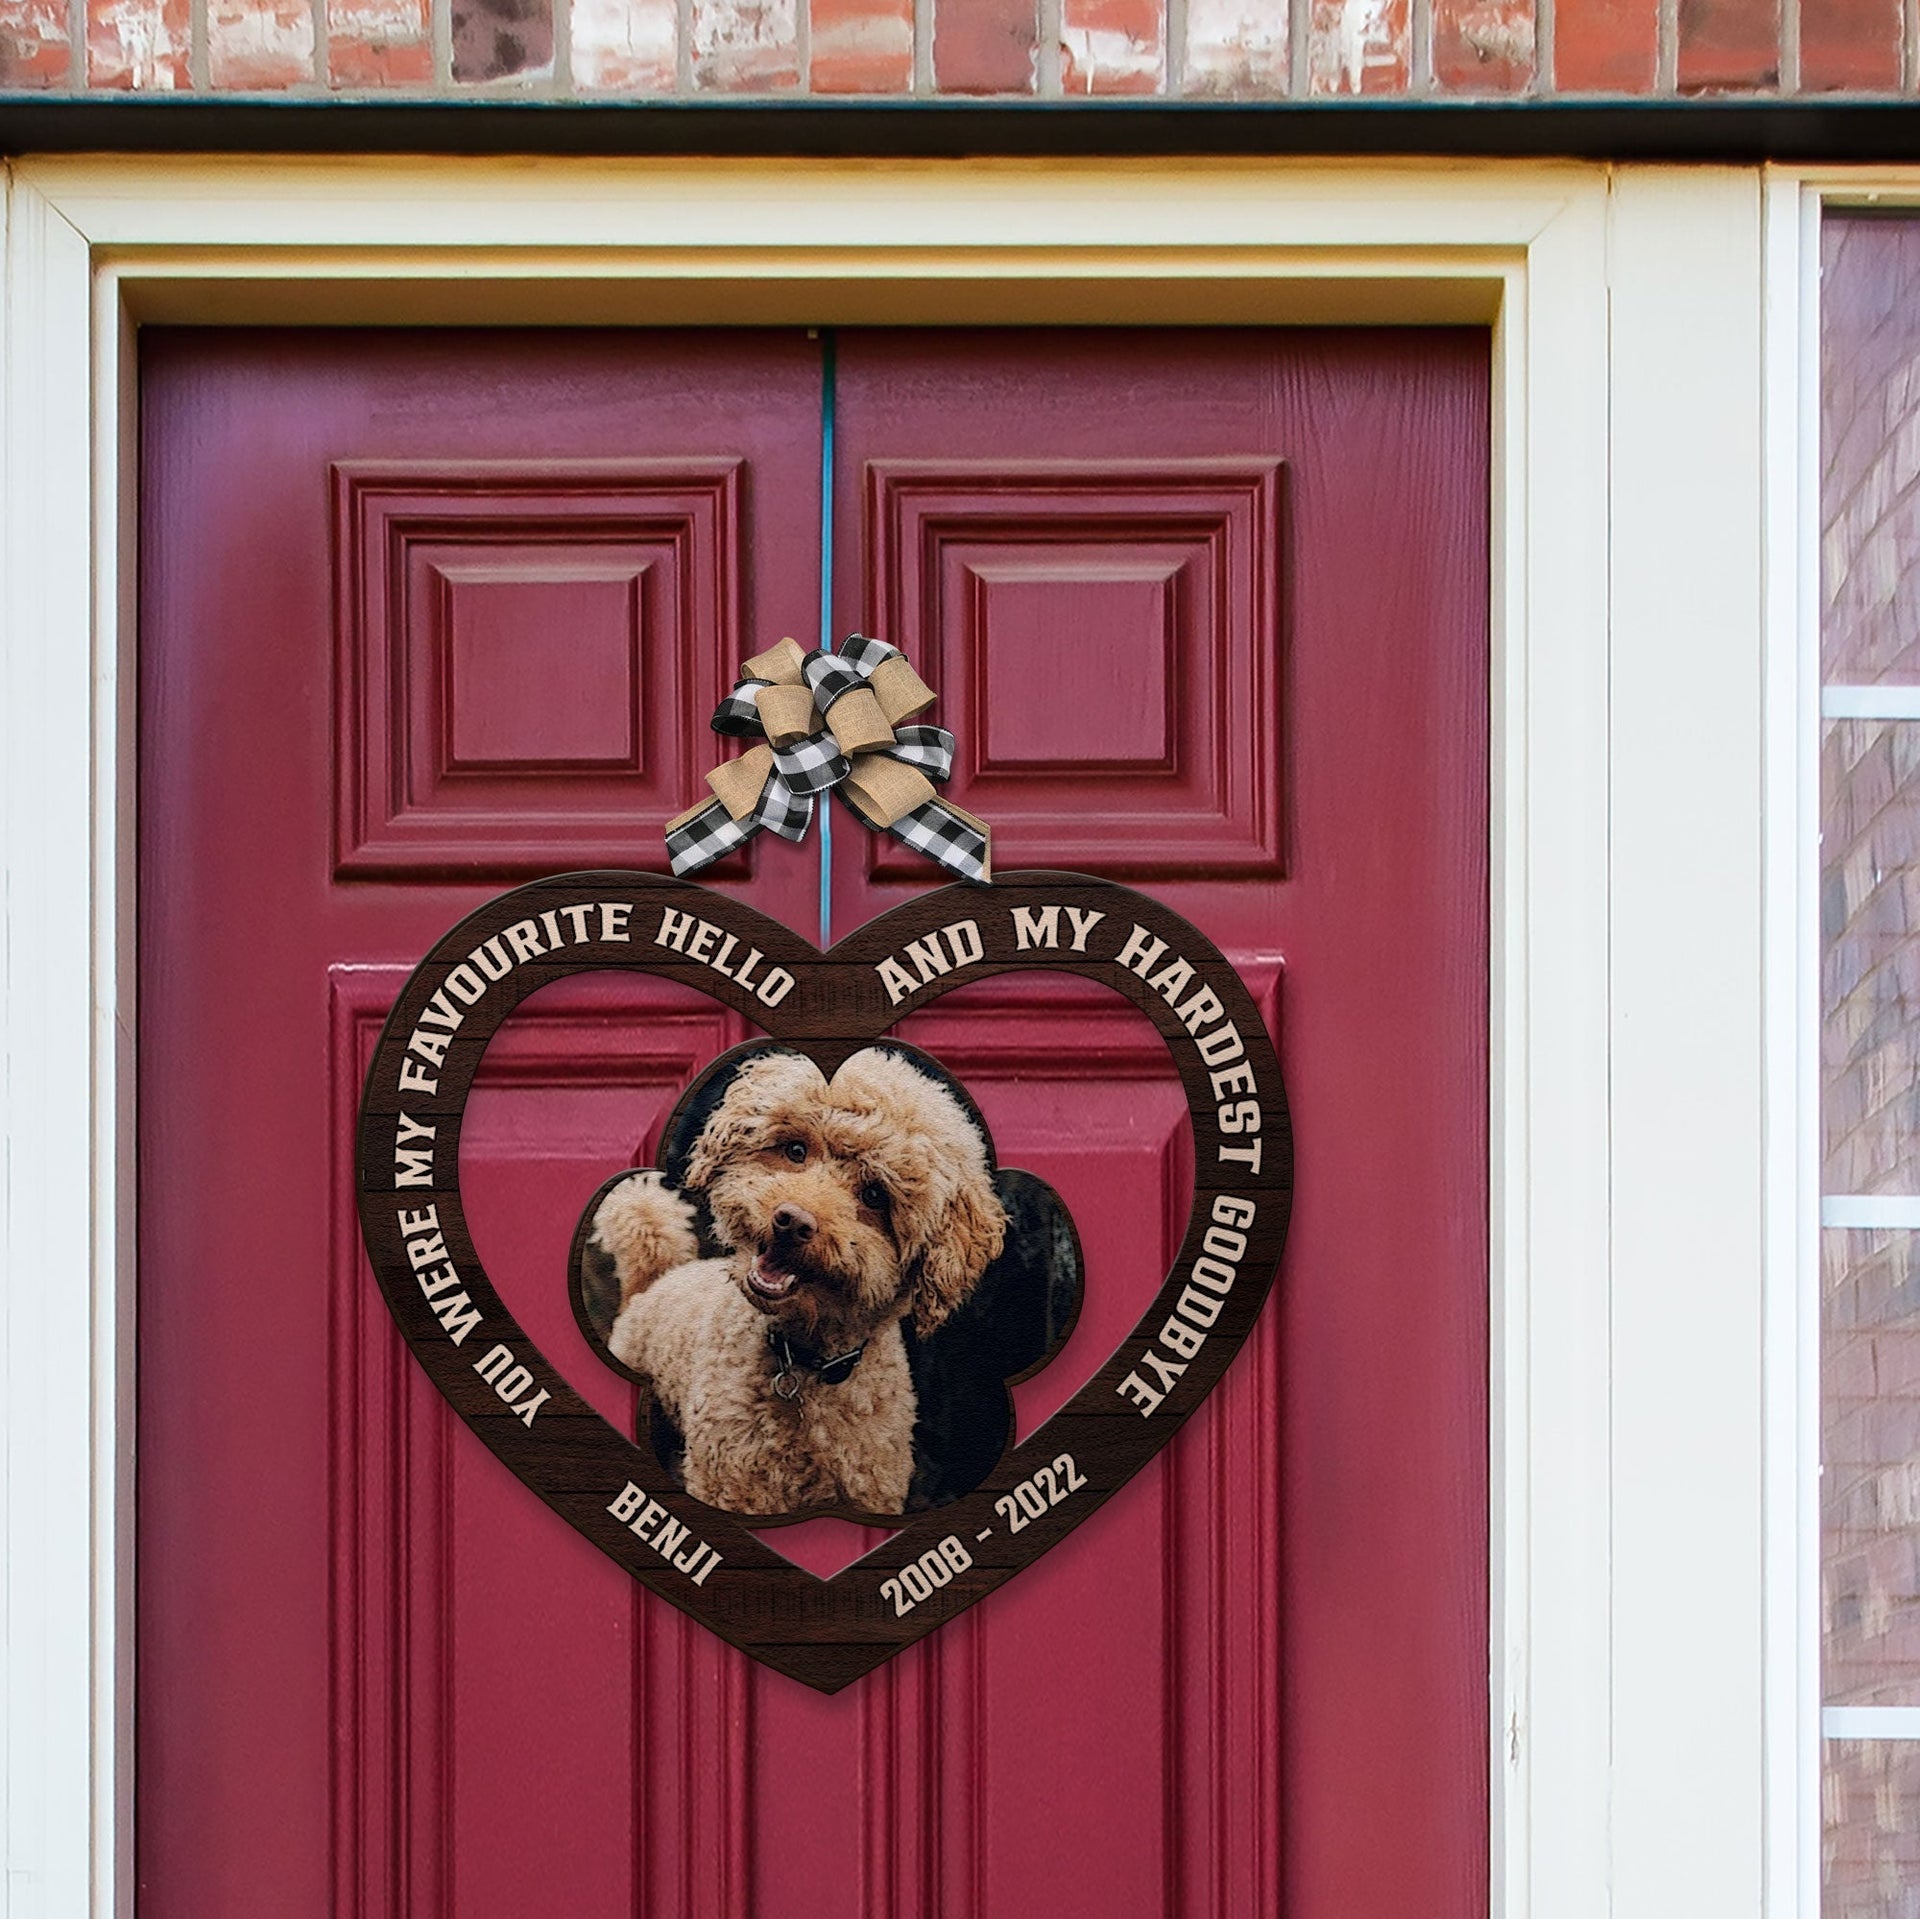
802 769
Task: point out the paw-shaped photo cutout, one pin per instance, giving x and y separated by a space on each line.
983 1263
827 1287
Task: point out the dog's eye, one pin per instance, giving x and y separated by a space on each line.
876 1196
796 1150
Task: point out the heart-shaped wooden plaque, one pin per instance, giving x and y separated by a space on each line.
612 1488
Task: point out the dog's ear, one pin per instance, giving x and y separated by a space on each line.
964 1241
743 1119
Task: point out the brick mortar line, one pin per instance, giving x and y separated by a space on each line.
1049 23
683 48
1173 57
1420 74
1666 72
322 44
563 49
922 81
1299 41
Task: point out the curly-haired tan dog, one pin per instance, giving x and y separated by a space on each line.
846 1205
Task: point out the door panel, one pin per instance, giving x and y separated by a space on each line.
1102 628
370 1678
1208 613
424 614
466 1723
457 755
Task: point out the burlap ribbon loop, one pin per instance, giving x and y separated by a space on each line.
831 722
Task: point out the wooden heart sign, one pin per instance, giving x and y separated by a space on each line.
830 1006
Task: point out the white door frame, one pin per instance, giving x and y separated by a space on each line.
1626 1651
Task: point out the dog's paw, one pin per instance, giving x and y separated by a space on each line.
646 1228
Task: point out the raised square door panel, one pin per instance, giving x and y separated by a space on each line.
525 658
1099 632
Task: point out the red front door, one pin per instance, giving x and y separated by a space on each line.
426 614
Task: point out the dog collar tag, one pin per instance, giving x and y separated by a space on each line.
830 1372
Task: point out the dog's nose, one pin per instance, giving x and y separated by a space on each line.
793 1222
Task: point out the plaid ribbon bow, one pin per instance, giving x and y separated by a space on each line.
826 722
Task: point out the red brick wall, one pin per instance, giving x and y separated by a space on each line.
1234 49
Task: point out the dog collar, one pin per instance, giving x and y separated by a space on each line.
795 1359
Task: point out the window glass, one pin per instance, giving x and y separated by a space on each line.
1870 1066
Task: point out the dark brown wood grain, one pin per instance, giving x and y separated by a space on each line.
825 1633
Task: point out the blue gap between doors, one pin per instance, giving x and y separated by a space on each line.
824 806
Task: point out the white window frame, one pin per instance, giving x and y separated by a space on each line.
1796 199
1628 1165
